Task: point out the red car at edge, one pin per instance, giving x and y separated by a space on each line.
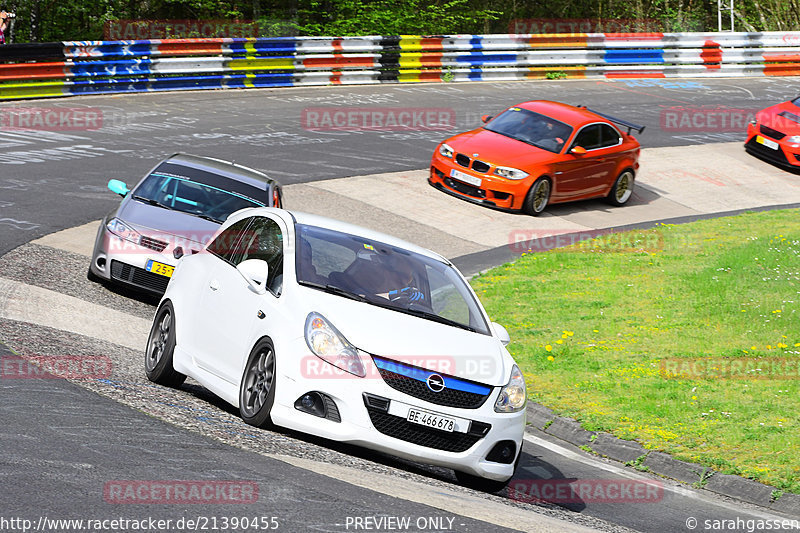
539 153
775 134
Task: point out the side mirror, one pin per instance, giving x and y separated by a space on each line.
486 118
578 150
119 187
502 333
256 272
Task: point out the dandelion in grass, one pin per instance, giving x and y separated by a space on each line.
549 348
551 358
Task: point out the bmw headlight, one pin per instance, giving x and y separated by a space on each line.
124 231
793 139
510 173
512 395
329 345
446 150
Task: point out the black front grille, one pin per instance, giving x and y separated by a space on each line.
465 188
400 428
776 156
138 276
462 160
418 389
769 132
480 166
153 244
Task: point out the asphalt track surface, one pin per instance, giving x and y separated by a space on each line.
63 442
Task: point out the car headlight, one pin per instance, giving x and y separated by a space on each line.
446 150
510 173
512 395
329 345
124 231
793 139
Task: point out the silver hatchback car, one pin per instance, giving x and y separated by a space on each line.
174 210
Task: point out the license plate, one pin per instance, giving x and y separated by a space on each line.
466 178
766 142
424 418
159 268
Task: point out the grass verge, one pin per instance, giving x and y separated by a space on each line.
685 338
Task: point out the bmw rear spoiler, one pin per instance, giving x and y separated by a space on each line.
623 123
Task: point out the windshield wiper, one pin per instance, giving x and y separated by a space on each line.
205 217
152 202
333 289
436 318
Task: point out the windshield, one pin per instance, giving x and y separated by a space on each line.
386 276
796 101
532 128
197 192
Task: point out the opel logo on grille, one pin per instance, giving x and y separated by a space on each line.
435 383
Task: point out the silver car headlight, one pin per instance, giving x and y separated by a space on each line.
124 231
512 395
446 150
329 345
793 139
510 173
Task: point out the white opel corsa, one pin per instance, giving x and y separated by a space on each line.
342 332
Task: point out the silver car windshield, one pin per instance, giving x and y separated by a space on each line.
380 274
190 195
531 128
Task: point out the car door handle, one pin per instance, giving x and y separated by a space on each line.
214 285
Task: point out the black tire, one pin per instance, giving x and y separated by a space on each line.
257 391
160 349
538 197
91 276
622 190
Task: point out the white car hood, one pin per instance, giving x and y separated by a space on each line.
416 341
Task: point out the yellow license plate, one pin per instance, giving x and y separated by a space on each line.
766 142
159 268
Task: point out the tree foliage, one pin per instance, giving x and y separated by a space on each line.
57 20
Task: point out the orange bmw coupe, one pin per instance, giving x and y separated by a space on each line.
539 153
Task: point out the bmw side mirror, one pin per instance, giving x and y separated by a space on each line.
119 187
256 272
486 118
578 150
502 333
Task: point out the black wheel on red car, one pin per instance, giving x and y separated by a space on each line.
538 197
622 190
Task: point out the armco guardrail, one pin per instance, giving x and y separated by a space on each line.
93 67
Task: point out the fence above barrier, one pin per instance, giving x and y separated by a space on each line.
94 67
